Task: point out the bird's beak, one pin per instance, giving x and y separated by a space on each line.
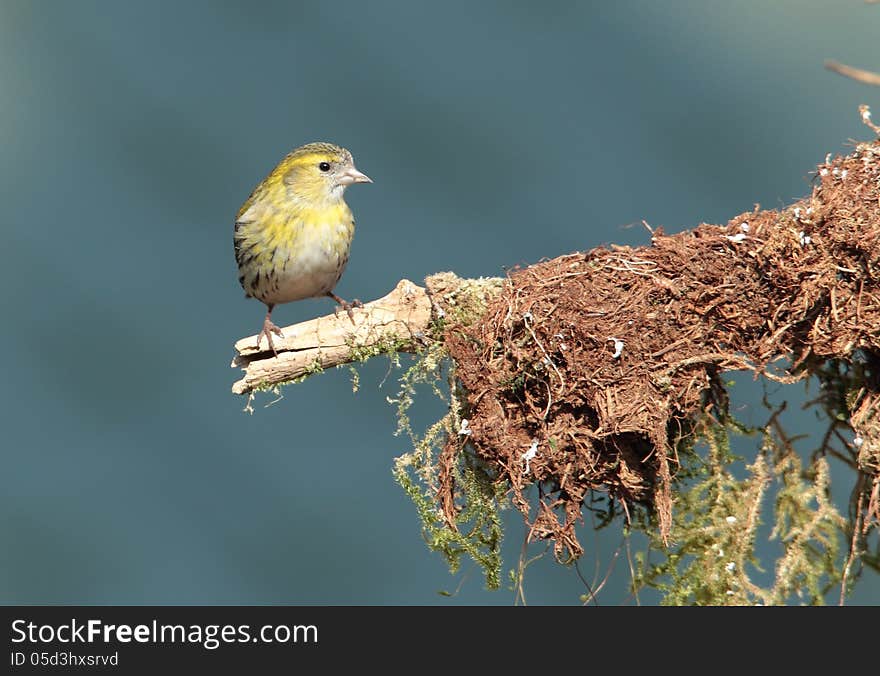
352 175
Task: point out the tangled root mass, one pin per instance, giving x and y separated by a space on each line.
588 369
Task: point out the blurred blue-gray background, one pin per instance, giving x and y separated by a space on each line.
497 133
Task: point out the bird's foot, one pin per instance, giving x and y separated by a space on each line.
268 329
348 306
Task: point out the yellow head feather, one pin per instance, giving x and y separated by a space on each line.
311 176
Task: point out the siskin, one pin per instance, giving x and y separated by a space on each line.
293 234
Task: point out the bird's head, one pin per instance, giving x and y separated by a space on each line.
320 172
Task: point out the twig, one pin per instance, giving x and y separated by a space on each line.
865 112
858 74
853 549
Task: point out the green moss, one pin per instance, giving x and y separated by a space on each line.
390 346
478 534
312 369
466 299
712 559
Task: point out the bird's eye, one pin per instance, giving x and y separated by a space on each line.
324 166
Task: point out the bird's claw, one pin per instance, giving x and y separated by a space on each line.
348 306
268 329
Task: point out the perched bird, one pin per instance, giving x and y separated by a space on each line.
293 234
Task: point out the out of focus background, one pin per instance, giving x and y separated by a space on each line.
497 133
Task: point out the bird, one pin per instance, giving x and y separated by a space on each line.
293 235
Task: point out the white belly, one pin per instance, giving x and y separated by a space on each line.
312 272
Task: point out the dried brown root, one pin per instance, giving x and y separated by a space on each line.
589 369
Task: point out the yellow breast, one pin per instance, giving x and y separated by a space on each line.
291 253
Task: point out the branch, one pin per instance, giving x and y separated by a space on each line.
398 321
860 75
